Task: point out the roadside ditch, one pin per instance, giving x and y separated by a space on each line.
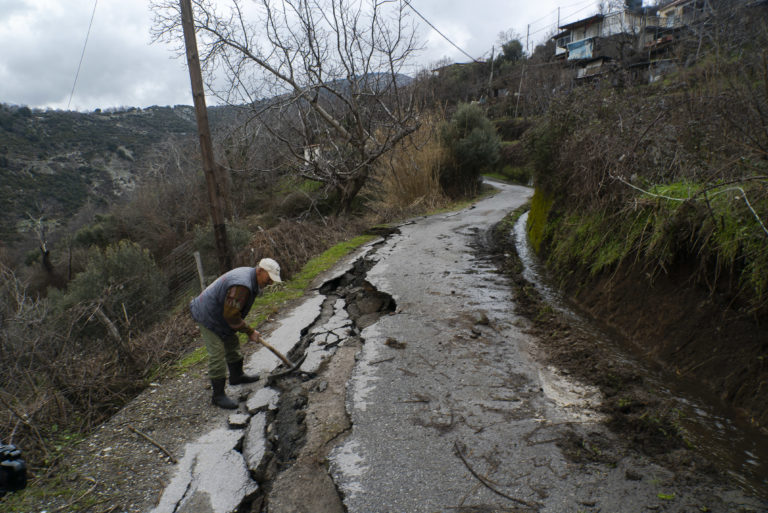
652 413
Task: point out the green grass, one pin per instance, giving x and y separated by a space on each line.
289 183
541 204
678 190
63 486
496 176
275 296
192 359
680 222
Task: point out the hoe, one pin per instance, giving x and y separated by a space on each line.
292 366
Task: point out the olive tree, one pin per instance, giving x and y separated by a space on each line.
325 77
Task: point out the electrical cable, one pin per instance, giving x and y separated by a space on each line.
436 30
582 2
587 5
564 18
82 54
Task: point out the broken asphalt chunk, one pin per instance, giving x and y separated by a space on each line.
263 399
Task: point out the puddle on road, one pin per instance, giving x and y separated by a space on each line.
576 402
736 447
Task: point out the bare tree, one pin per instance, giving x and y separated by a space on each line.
331 70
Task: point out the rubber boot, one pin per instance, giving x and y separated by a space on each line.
237 376
220 398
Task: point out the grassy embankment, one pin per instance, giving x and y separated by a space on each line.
653 200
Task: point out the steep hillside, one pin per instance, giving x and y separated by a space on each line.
54 162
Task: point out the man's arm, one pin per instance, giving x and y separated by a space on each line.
233 308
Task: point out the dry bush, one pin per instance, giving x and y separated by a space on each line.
56 383
293 243
408 179
168 201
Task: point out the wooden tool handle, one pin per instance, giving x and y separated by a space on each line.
276 352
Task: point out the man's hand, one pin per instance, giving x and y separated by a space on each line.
254 336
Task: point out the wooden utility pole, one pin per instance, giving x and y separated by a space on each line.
490 78
212 180
527 36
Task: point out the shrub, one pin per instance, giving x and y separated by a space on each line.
473 148
513 154
511 129
517 174
123 281
103 231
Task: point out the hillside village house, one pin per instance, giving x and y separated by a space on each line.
681 12
634 37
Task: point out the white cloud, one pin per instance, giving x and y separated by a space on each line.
120 67
42 41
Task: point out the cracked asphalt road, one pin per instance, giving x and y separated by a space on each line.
451 412
438 405
459 393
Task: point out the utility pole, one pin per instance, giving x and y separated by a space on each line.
490 79
527 36
212 180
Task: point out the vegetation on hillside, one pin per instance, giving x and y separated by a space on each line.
651 207
665 176
54 162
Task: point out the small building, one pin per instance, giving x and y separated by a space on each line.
592 44
682 12
581 39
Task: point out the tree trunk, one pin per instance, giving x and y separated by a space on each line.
349 189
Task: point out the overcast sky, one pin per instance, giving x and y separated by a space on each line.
41 42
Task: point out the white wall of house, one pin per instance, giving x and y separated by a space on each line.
624 22
586 31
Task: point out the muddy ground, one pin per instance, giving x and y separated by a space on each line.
696 334
125 464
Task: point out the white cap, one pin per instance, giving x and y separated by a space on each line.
272 268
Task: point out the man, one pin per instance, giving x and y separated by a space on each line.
220 312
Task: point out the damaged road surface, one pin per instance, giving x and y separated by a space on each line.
421 392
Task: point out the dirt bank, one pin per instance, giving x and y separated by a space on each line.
695 334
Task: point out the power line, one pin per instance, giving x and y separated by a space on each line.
551 13
77 74
574 13
582 2
586 3
562 20
436 30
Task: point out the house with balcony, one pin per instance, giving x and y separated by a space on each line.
628 39
637 41
592 44
673 19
